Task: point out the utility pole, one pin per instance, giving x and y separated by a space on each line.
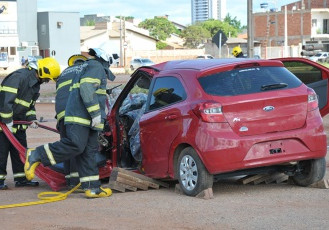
250 27
121 58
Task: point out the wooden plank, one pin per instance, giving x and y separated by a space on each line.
129 180
273 178
250 179
282 178
142 177
132 183
128 187
132 178
114 185
262 179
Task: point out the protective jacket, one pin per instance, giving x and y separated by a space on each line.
18 94
88 95
63 85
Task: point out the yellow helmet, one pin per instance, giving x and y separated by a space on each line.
76 59
236 51
48 68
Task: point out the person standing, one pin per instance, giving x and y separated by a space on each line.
18 94
84 118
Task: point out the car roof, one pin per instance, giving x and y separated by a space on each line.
204 64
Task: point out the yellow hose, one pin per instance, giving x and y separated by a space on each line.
45 197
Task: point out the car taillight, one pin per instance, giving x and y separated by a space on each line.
210 112
313 102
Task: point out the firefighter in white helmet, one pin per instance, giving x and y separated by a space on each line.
18 94
84 118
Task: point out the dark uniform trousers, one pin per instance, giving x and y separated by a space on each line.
5 148
70 166
80 142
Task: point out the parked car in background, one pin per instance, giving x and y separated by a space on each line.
206 56
319 57
138 62
199 121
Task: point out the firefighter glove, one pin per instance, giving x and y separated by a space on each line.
34 124
96 121
10 126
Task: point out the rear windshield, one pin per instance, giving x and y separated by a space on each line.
249 80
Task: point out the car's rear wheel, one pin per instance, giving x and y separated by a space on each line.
310 171
192 175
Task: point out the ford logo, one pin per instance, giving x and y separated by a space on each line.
268 108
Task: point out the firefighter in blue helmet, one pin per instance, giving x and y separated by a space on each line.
84 118
18 94
63 84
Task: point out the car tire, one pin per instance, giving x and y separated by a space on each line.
311 171
192 175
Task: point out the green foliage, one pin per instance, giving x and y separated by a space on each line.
195 35
160 28
213 26
90 23
234 22
125 17
161 45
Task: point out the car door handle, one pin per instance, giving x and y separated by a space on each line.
171 117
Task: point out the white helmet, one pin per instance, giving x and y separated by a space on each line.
100 53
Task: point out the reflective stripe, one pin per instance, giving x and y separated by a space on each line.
75 86
60 115
22 102
67 177
101 91
74 174
100 126
77 120
8 89
90 80
16 175
93 108
89 178
65 83
31 112
49 154
6 115
2 177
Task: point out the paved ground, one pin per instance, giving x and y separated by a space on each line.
235 206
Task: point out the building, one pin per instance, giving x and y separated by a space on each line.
18 30
202 10
307 21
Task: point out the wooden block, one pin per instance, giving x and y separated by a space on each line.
282 178
132 183
115 186
252 178
206 194
262 179
140 176
273 178
324 183
128 187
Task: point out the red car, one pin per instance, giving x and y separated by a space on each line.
202 120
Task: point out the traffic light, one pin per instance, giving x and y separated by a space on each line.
311 49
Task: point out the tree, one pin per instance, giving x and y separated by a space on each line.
213 26
233 22
160 28
195 35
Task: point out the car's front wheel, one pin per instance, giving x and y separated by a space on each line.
192 175
310 171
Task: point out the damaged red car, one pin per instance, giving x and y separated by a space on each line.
199 121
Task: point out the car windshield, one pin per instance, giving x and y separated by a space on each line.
249 80
145 60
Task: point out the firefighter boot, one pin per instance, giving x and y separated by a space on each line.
31 163
98 192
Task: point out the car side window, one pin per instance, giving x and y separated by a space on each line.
305 72
166 91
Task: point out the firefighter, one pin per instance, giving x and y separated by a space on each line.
237 52
84 118
63 84
18 93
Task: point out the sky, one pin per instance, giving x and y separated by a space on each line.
179 11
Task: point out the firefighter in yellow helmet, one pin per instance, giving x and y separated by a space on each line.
18 94
84 118
237 52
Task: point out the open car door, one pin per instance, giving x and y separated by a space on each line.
313 75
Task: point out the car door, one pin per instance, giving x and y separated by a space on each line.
313 75
161 123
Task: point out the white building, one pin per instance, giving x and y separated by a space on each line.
202 10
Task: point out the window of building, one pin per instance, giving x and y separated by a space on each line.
325 26
12 51
314 23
